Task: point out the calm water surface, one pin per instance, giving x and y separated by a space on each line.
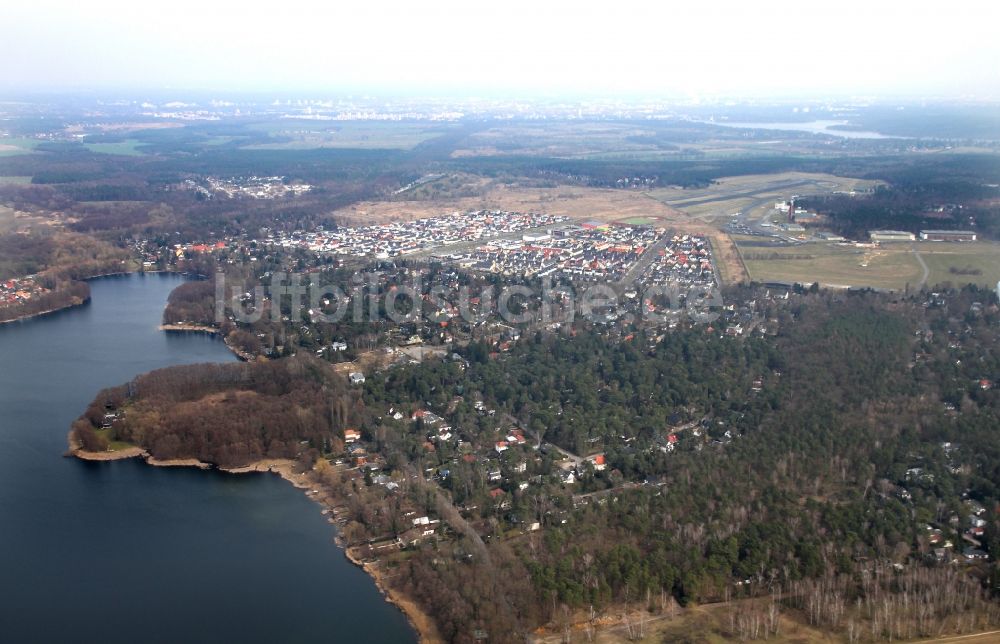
813 127
125 552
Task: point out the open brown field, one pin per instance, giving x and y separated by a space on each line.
14 221
706 624
714 624
7 220
571 201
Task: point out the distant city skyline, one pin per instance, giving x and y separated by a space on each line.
684 50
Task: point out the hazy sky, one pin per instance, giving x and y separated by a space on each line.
669 47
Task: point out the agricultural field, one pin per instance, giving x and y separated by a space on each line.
563 139
10 146
602 140
372 135
128 147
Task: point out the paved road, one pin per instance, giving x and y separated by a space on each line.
640 264
988 636
447 511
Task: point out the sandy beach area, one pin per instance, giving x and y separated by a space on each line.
189 328
114 455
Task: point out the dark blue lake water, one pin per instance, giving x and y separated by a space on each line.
125 552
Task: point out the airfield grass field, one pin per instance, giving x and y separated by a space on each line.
720 212
890 266
833 265
962 263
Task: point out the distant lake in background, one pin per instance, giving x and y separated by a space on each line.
125 552
812 127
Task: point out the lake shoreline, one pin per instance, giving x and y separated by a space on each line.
329 499
208 330
422 624
41 314
73 305
189 328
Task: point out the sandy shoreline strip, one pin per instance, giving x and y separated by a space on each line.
209 330
177 462
190 328
420 621
111 455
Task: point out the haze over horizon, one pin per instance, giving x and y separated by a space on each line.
687 50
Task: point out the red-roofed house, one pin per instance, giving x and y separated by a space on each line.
598 461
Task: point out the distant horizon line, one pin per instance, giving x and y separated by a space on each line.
500 94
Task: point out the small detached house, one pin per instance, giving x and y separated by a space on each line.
598 462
